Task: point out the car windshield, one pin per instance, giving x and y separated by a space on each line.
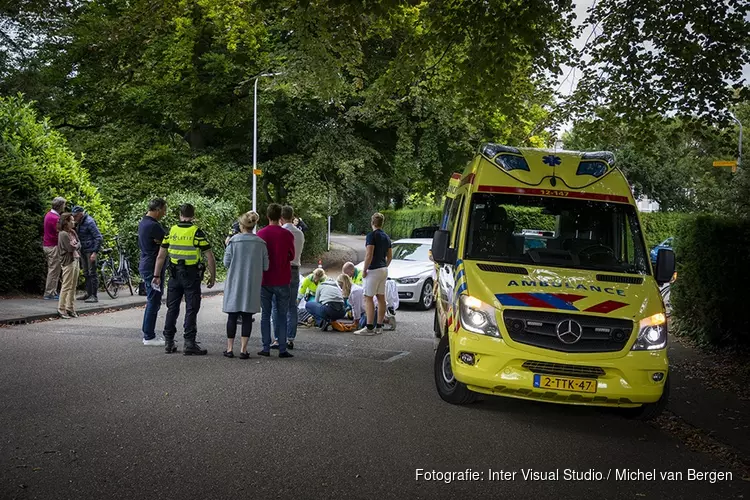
555 232
411 251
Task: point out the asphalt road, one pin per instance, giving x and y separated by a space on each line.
86 411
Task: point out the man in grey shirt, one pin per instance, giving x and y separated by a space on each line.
328 304
287 222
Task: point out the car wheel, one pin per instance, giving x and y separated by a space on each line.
650 411
427 298
450 389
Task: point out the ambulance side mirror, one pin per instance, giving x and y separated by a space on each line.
441 251
665 266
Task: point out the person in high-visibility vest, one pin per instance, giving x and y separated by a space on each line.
354 273
184 244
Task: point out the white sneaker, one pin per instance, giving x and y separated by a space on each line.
154 341
378 330
391 323
364 331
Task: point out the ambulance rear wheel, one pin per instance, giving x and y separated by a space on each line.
450 389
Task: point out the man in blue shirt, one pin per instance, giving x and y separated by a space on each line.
91 242
377 259
150 236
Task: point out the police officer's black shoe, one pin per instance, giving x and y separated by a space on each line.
169 346
192 349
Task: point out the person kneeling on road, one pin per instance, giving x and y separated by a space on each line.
184 244
328 304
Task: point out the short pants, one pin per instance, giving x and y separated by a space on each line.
375 282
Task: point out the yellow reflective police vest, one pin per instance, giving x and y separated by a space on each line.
181 242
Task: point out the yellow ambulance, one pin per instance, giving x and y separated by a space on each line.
545 288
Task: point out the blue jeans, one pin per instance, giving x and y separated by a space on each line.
292 316
267 295
153 304
327 312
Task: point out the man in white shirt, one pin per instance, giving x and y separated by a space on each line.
287 221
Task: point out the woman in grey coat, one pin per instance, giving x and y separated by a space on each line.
246 257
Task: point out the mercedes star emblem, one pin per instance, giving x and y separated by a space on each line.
569 331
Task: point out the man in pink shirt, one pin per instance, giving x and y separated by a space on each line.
50 248
276 280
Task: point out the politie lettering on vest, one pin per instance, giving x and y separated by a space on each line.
571 286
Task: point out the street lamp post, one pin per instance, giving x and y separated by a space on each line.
255 137
739 156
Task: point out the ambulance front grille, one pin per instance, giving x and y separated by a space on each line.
540 329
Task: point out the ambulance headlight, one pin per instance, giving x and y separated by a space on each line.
478 317
652 334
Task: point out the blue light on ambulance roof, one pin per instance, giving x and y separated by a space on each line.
491 150
593 168
606 156
512 162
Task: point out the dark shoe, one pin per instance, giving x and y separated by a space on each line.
63 315
229 354
264 353
72 314
324 325
169 346
290 344
244 355
91 300
285 354
192 349
275 345
52 297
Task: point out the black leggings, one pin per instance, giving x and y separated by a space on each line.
247 324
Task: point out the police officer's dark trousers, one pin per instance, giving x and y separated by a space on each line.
184 281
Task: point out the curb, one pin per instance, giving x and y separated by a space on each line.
104 308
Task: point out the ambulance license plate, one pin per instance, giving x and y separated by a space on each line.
564 383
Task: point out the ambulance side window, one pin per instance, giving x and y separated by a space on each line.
446 213
456 213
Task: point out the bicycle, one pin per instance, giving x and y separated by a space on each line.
113 278
665 295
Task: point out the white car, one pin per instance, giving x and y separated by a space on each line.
413 271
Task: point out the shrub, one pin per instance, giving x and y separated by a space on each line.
315 237
215 217
710 296
36 166
399 223
658 226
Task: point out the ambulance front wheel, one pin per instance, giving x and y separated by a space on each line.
650 411
450 389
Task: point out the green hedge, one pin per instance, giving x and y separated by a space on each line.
399 223
316 238
710 296
215 217
35 167
658 226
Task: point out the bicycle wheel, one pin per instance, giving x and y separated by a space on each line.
127 276
109 281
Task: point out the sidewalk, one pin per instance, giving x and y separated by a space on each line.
710 392
25 310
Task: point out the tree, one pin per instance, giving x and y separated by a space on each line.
36 166
652 57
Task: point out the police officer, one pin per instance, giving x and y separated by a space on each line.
184 244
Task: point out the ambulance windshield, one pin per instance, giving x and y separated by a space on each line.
567 232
